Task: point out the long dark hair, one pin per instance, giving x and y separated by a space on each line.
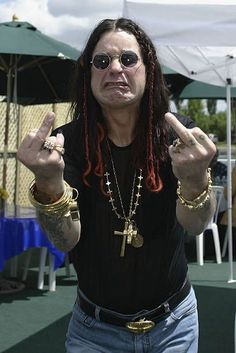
150 129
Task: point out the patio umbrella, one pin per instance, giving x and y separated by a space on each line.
201 90
34 67
175 81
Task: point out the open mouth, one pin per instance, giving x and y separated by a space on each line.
116 84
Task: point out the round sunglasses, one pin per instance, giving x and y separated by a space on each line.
127 59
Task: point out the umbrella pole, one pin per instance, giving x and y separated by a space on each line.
5 152
229 182
16 115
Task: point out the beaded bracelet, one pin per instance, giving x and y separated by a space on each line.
201 199
65 206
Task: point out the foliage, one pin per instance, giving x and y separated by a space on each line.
3 194
217 125
194 109
209 123
211 106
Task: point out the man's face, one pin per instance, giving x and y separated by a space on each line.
118 85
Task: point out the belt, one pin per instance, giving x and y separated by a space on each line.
141 322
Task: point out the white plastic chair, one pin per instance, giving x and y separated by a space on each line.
42 268
212 225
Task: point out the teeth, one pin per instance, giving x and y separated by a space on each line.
116 84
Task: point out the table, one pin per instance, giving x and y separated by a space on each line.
20 234
20 231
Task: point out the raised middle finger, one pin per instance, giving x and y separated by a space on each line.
183 133
40 135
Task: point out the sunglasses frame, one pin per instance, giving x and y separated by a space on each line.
119 56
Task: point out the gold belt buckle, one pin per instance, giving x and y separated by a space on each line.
140 326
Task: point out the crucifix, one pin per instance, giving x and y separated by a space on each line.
128 233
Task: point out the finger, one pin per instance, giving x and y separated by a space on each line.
184 134
202 138
44 129
27 140
60 139
59 143
48 144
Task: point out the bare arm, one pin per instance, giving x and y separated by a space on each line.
195 221
62 232
190 162
48 166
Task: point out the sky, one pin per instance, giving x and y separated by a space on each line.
69 21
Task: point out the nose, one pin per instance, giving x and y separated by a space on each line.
115 64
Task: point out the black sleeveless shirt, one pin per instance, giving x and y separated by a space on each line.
145 276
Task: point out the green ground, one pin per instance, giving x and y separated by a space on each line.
34 321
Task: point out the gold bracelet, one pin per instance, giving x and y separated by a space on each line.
201 199
65 206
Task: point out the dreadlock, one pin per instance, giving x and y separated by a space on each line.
151 131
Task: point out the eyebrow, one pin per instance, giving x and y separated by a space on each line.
121 52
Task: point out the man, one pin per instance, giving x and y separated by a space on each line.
129 159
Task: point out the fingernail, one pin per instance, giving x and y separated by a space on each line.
49 118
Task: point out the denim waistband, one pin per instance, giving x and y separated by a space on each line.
115 318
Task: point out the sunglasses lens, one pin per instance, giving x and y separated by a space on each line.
101 61
129 59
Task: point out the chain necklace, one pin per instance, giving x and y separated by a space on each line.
130 233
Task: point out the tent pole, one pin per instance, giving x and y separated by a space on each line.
229 181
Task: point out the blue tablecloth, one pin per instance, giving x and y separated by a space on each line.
18 234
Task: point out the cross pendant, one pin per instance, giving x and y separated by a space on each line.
128 233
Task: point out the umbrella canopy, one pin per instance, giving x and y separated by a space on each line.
175 81
34 68
46 82
182 87
39 66
201 90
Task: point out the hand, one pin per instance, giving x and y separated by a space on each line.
190 158
47 165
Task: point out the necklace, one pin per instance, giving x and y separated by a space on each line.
130 233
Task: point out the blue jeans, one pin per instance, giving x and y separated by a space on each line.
177 333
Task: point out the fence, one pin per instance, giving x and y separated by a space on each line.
22 120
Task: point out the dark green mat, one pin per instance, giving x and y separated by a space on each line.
49 340
34 321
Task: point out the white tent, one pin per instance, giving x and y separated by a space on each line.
197 39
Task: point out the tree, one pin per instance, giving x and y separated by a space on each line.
211 106
194 108
209 123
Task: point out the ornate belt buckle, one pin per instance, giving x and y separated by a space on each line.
140 326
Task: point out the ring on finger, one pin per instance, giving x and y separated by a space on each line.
176 150
59 149
177 145
177 142
48 145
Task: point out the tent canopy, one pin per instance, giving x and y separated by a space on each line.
197 39
194 38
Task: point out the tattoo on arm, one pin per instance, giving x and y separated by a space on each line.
55 228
